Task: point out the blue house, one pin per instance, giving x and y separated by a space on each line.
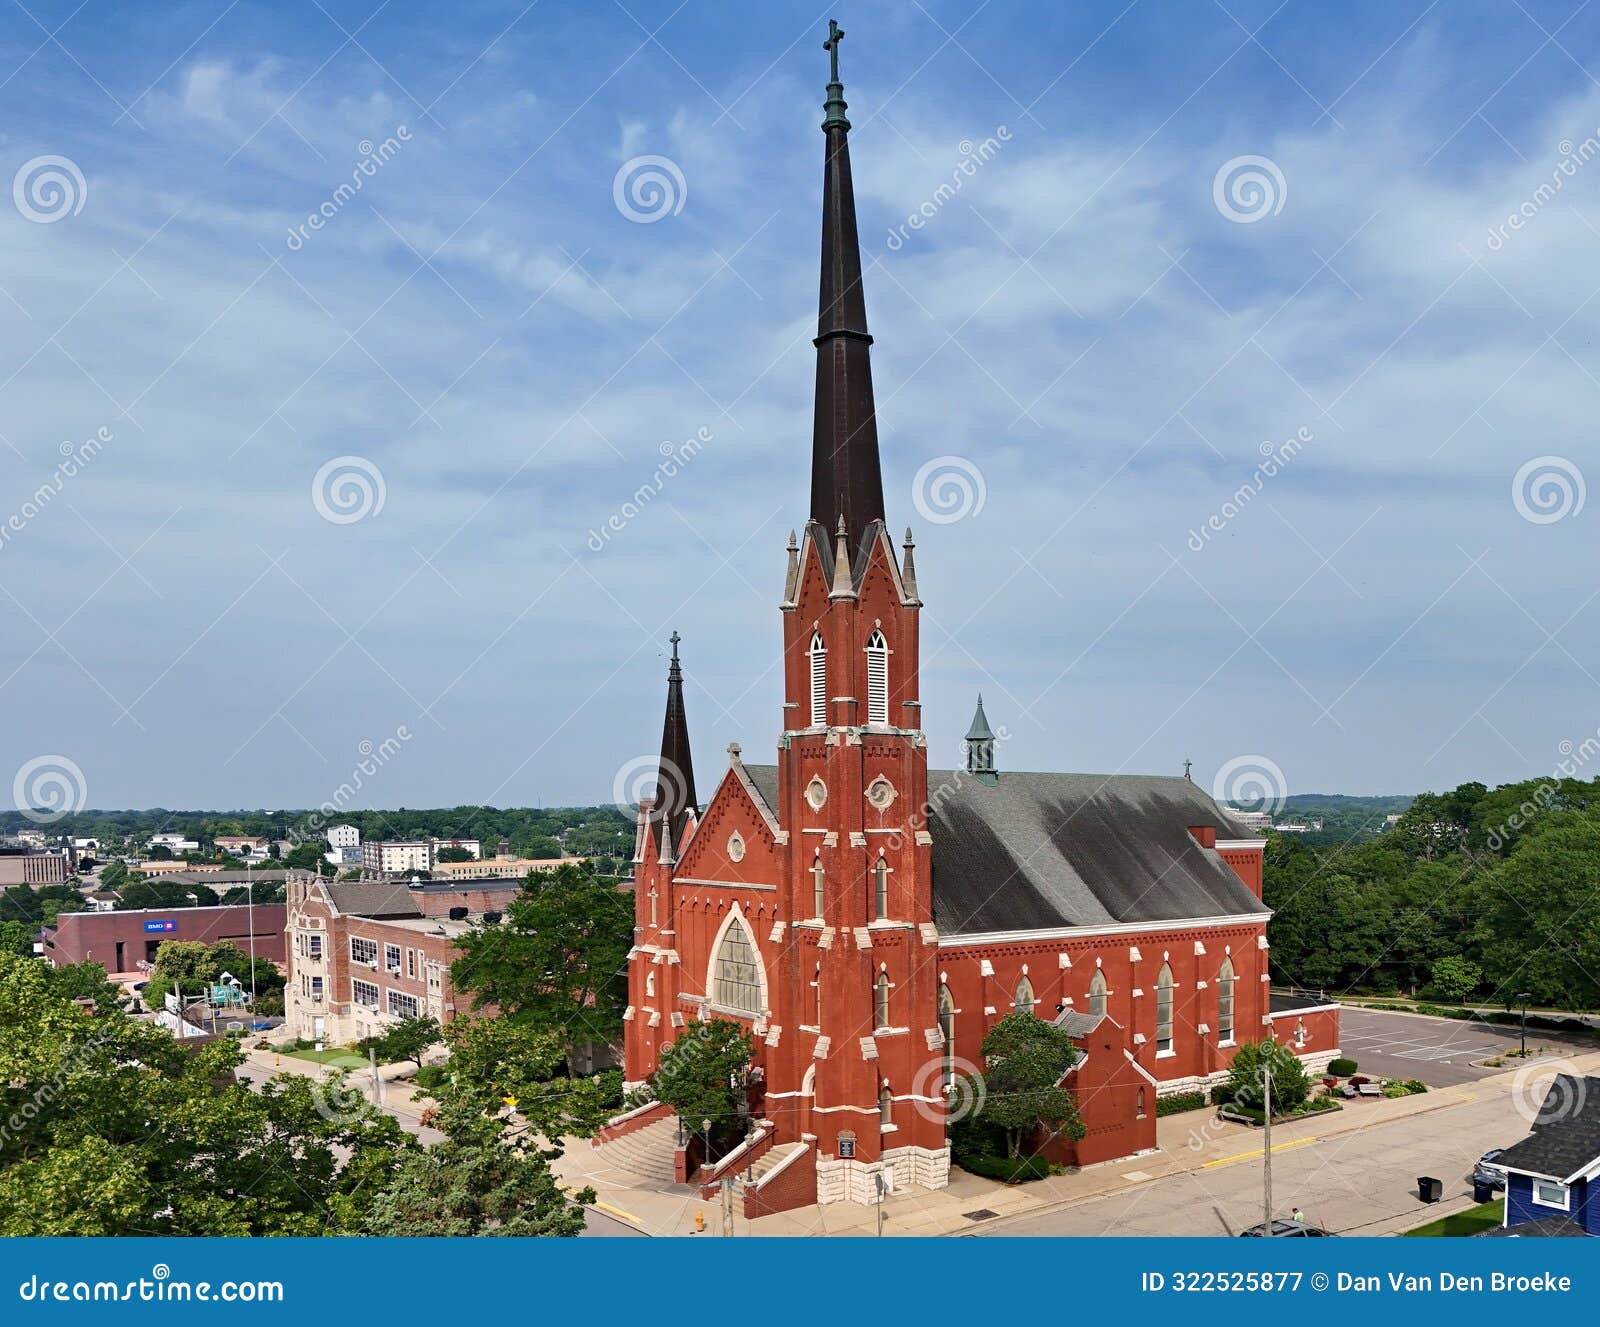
1553 1175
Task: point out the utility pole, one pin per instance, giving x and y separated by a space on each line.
1524 996
1266 1149
377 1083
250 899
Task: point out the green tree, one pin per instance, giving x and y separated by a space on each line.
16 938
479 1181
164 893
309 857
191 965
1456 977
542 848
1248 1075
702 1077
125 1131
556 959
1025 1060
455 855
1538 924
409 1039
493 1060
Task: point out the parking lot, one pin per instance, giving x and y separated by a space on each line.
1438 1051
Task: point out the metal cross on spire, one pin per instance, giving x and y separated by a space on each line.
831 46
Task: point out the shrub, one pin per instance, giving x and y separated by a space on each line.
1408 1087
431 1076
1012 1171
1179 1102
1342 1067
1222 1094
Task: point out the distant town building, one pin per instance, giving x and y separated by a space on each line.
1251 820
22 864
176 844
90 846
517 867
120 941
379 857
365 954
1310 826
157 868
474 846
343 836
242 845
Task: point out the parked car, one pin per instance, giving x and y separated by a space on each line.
1283 1229
1486 1172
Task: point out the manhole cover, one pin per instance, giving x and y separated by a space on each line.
982 1214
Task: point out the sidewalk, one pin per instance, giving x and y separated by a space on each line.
1194 1141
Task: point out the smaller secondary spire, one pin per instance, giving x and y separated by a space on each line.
980 747
675 797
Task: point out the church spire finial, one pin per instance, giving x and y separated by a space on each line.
835 104
845 477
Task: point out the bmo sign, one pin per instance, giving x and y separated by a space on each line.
161 926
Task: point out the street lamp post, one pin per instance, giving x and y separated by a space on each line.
1524 997
250 904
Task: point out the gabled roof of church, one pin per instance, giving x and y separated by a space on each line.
1048 851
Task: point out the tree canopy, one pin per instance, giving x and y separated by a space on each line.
557 958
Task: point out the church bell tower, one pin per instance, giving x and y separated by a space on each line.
853 769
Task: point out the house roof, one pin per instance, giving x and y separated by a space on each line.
1548 1227
1051 851
1566 1133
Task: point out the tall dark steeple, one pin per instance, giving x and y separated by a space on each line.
675 772
845 479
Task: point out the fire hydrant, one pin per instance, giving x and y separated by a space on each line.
699 1223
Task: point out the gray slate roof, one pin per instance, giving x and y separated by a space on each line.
1566 1134
1049 851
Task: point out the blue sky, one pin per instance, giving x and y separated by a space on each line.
1104 335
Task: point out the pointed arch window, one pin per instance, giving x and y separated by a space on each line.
1097 994
738 971
947 1027
880 1000
1164 1010
816 985
1139 1105
880 889
885 1107
1022 1001
819 881
819 681
1225 1002
877 679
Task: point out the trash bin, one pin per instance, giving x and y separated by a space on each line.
1429 1189
1482 1191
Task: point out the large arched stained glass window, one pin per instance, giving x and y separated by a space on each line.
738 971
1164 1009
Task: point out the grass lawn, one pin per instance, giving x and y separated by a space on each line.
1474 1221
333 1055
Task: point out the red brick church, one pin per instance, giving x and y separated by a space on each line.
868 919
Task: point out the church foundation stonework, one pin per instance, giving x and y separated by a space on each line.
867 919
